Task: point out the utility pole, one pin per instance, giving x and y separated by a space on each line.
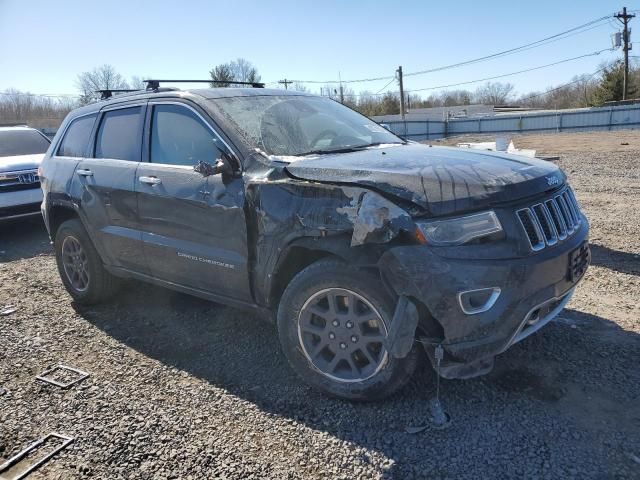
625 17
286 83
399 72
341 89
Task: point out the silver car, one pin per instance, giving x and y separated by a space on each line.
21 151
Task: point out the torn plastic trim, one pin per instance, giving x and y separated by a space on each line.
402 332
375 219
281 210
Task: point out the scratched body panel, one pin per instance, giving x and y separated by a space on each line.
442 180
194 229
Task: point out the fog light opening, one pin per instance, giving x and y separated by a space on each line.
534 317
479 300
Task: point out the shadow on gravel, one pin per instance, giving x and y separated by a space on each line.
23 239
514 409
623 262
523 381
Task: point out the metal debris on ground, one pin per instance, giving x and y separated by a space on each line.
633 457
44 377
417 429
440 419
499 145
66 440
7 310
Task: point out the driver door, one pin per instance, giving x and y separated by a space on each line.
193 227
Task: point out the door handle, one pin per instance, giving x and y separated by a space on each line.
84 172
150 180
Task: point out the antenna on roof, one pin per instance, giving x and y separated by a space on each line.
108 92
155 84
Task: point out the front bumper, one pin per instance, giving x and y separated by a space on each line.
20 203
533 290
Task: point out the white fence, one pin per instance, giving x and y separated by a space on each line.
597 118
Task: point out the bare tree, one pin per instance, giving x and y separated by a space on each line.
222 74
239 70
137 83
331 90
494 93
244 71
100 78
34 110
299 87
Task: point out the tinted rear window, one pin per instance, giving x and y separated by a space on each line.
119 135
76 139
22 142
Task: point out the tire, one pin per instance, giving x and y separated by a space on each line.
302 333
100 284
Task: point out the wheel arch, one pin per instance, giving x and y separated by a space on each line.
303 251
58 214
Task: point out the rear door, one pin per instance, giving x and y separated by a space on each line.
106 179
193 227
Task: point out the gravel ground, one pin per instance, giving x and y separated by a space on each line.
183 388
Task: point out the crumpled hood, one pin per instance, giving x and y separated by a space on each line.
20 162
444 180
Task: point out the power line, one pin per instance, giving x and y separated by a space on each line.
361 80
529 46
513 73
497 76
392 80
582 79
558 36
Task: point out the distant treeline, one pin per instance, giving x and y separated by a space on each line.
34 110
583 91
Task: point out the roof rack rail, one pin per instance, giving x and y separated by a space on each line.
154 84
108 92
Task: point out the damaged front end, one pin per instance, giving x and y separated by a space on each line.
354 223
474 297
478 308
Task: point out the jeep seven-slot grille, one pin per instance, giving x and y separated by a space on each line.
550 221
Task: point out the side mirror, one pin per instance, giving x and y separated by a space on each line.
222 166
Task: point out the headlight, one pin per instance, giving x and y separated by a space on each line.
456 231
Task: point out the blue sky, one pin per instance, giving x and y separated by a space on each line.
45 44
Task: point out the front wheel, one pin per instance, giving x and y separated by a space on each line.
332 322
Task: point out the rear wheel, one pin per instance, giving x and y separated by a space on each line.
80 266
332 322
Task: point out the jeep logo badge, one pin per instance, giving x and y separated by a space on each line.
552 181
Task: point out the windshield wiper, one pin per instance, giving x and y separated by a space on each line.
355 148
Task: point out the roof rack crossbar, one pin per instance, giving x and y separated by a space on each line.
108 92
154 84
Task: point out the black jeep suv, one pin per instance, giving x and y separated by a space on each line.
364 248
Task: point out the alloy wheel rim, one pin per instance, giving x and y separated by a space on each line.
75 263
341 334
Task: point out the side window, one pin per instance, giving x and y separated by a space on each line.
76 138
180 137
120 135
